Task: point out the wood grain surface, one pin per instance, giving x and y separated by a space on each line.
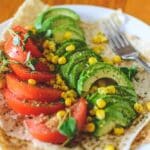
138 8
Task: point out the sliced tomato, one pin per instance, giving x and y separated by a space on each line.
79 112
25 73
25 91
40 131
30 108
16 52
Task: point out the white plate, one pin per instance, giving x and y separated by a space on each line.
93 13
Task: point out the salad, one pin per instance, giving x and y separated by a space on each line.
62 87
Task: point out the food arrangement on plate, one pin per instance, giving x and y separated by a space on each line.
62 87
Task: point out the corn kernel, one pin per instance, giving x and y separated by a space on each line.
109 147
119 131
89 118
52 45
116 59
67 35
90 127
64 95
62 60
71 93
100 114
55 59
148 106
29 27
92 60
100 103
138 107
92 112
43 60
65 88
46 44
51 67
107 60
60 114
102 90
111 89
31 81
98 49
99 38
52 82
93 89
68 101
70 48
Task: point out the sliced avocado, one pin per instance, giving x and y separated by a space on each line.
98 71
77 43
74 59
58 34
75 72
56 21
103 127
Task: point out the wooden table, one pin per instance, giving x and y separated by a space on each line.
138 8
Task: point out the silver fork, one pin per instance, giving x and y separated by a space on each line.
120 44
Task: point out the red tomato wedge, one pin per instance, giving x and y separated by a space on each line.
79 112
25 73
41 132
25 91
41 67
16 52
29 108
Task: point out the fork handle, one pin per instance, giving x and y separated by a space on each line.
144 64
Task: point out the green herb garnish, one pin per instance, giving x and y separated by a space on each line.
130 72
3 62
68 127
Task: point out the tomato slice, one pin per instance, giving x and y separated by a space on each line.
16 52
30 108
40 131
25 91
79 112
25 73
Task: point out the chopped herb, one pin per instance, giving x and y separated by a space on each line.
130 72
16 40
68 127
3 62
30 62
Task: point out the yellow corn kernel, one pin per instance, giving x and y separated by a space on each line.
99 38
29 27
43 60
31 81
46 44
109 147
119 131
107 60
62 60
116 59
138 107
98 49
102 90
100 114
111 89
148 106
55 59
92 112
89 118
93 89
64 95
71 93
70 48
92 60
60 114
65 88
90 127
67 35
68 101
52 45
52 82
100 103
51 67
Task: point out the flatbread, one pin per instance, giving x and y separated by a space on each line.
25 16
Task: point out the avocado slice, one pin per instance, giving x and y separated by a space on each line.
56 21
78 45
58 34
52 12
98 71
75 73
74 59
